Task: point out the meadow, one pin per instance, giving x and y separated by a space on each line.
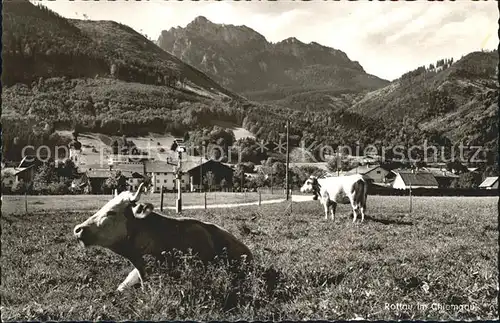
437 263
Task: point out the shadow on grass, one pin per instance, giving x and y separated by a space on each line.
387 221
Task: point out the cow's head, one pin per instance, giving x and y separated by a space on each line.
311 185
108 226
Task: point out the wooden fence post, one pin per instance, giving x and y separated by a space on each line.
260 199
161 199
205 200
410 200
26 201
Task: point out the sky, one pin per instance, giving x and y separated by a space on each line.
387 38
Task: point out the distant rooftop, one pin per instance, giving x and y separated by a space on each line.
438 172
364 169
418 179
489 181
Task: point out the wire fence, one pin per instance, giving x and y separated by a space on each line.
211 199
168 200
259 196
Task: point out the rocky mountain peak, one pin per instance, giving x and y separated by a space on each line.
291 40
200 21
243 60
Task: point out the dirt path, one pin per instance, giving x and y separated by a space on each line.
295 198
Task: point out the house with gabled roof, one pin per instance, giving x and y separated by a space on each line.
193 169
198 174
163 174
375 173
13 175
443 177
406 179
97 175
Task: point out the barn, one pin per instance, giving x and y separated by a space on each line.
218 170
443 176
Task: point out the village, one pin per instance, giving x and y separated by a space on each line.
124 168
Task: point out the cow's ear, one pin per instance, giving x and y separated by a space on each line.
143 210
316 188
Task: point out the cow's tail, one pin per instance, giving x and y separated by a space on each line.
360 192
365 194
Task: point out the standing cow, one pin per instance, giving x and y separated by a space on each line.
345 189
132 229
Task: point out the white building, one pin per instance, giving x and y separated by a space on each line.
163 174
406 178
376 173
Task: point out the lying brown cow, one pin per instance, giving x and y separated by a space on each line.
132 230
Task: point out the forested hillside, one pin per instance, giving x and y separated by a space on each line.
95 75
457 99
37 42
31 114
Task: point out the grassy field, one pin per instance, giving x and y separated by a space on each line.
15 204
443 256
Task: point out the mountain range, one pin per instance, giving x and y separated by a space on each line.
454 98
243 60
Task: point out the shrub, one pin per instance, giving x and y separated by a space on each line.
59 188
19 187
467 180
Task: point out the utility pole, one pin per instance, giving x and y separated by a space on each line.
178 203
161 199
410 200
242 178
338 163
201 166
272 172
287 159
179 147
411 204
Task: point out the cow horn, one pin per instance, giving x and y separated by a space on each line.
137 194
